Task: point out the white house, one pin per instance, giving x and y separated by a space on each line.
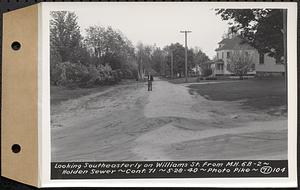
264 64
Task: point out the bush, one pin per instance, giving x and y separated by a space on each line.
206 72
77 74
206 78
127 74
69 74
55 73
240 63
116 76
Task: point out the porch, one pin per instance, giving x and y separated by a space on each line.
218 68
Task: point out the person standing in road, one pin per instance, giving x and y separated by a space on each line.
150 79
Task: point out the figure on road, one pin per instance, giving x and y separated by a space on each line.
150 79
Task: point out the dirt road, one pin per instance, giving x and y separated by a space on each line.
126 122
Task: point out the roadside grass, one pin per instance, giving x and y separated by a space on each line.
261 94
60 94
182 80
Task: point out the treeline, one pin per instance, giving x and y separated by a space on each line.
158 61
105 56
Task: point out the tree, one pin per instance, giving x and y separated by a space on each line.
240 63
65 44
140 60
203 61
262 28
157 59
110 46
65 37
95 40
144 55
199 56
104 56
178 59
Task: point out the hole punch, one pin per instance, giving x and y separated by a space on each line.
16 46
16 148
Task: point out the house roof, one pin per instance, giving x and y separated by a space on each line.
223 41
235 43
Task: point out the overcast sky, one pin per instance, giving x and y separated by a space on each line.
158 23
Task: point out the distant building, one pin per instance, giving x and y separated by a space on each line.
264 64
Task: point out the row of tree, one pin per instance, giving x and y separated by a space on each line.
105 56
161 61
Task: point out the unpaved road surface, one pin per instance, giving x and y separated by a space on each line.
128 123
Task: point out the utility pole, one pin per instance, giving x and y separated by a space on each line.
141 67
165 66
185 35
172 65
161 66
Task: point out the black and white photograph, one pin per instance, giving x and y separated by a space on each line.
168 82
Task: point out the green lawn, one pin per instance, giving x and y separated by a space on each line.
182 80
263 94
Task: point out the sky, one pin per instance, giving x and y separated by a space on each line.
158 23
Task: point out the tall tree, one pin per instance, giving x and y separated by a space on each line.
199 56
157 59
262 28
65 46
144 56
178 58
202 60
110 46
65 37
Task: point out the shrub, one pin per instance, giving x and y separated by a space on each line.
127 74
87 75
240 63
69 74
206 72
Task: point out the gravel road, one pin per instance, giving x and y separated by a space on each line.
128 123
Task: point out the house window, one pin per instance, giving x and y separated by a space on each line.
222 55
228 55
246 53
220 67
261 58
218 56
